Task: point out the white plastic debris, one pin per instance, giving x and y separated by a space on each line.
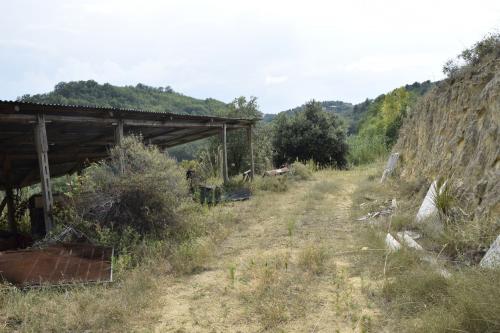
391 165
428 207
405 238
391 243
492 258
394 204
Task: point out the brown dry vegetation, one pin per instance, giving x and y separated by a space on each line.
286 261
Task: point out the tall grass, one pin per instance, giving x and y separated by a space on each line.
364 149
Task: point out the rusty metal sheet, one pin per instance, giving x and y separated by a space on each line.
57 264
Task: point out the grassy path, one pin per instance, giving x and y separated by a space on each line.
280 269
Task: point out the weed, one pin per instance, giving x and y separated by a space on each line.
192 255
313 259
232 274
271 184
291 224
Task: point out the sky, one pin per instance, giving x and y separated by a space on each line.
283 52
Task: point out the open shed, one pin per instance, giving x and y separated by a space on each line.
40 141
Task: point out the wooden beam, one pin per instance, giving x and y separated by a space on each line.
31 118
250 143
43 165
224 155
11 209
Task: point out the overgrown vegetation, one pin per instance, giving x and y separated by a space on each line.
489 46
439 290
309 134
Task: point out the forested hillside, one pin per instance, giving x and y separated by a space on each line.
141 97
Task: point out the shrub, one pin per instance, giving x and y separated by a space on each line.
271 184
299 171
145 197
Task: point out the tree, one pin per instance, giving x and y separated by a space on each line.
310 134
238 153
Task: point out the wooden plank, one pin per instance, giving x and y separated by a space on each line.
43 164
28 118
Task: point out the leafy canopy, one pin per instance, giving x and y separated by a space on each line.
310 134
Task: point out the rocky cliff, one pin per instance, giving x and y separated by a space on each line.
454 132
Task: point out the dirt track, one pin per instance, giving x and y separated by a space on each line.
277 225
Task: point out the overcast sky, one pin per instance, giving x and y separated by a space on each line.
283 52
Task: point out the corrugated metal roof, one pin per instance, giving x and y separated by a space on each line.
122 110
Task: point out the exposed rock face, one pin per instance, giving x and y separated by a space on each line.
453 132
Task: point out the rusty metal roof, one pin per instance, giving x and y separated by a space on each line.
57 264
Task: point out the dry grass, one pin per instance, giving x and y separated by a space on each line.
76 309
414 294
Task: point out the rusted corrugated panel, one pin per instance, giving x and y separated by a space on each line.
57 264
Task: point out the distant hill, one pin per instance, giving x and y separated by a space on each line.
353 114
338 107
141 97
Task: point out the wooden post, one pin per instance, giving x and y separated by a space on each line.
118 143
250 143
11 209
224 154
43 164
3 204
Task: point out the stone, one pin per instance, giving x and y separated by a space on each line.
390 166
408 240
428 208
392 244
492 258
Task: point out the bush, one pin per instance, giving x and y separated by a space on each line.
299 171
309 134
271 184
146 196
365 149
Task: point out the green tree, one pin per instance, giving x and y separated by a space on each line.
309 134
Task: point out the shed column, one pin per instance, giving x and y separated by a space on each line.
118 143
224 154
250 143
11 209
43 164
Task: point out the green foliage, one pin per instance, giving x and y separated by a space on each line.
364 149
238 153
309 134
379 126
489 45
271 184
140 97
147 198
299 171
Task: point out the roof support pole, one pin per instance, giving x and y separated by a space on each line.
3 204
224 154
118 143
11 209
43 163
250 144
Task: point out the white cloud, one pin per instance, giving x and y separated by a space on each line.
284 52
271 80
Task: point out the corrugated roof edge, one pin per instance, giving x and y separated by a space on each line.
107 108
